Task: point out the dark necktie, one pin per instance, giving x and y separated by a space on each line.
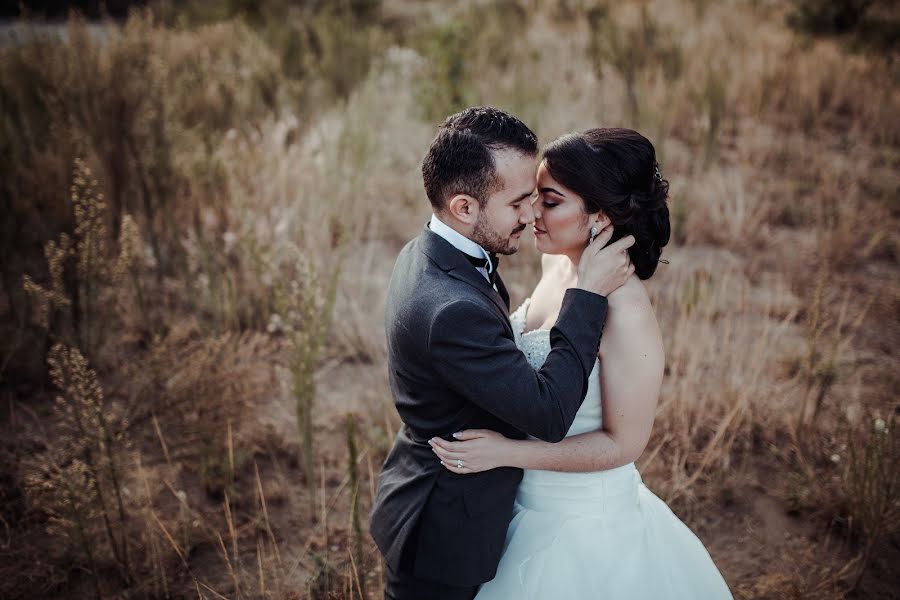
482 263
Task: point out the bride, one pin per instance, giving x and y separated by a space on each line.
584 525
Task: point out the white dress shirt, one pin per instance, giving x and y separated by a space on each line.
463 244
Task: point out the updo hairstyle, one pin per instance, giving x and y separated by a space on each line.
615 171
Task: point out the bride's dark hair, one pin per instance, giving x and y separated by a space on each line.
615 170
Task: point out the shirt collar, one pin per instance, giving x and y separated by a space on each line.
459 241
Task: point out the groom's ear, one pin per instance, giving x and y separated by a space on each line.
464 208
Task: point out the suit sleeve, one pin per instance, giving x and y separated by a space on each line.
471 352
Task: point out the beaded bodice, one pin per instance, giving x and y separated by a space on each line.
535 344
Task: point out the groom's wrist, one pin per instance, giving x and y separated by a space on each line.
583 294
587 307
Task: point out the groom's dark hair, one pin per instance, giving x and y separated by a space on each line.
460 159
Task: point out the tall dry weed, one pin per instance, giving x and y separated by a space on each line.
144 105
829 337
307 303
78 313
871 486
358 559
79 481
187 389
631 49
718 389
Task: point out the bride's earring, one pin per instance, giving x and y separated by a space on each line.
594 232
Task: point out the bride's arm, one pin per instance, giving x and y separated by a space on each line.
632 361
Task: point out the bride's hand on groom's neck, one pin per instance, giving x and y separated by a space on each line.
603 270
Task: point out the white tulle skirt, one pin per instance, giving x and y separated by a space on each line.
579 536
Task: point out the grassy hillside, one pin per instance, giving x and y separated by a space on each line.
201 207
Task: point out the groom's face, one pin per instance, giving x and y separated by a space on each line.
508 210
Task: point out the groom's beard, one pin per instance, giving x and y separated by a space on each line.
492 241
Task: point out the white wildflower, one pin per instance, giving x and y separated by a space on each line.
276 323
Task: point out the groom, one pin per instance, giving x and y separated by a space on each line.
453 362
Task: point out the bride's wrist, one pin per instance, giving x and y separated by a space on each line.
514 454
503 454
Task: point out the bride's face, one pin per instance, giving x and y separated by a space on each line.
561 226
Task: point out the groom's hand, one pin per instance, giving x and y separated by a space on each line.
603 270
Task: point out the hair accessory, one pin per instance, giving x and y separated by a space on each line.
652 245
656 172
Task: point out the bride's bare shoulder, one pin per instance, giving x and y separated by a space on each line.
631 326
631 299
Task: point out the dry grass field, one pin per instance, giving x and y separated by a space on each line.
201 206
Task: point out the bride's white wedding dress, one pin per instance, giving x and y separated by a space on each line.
603 535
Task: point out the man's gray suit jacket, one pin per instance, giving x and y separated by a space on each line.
453 364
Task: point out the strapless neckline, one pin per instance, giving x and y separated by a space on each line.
522 313
529 332
535 345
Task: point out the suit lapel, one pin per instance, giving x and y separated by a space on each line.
477 280
451 260
504 294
